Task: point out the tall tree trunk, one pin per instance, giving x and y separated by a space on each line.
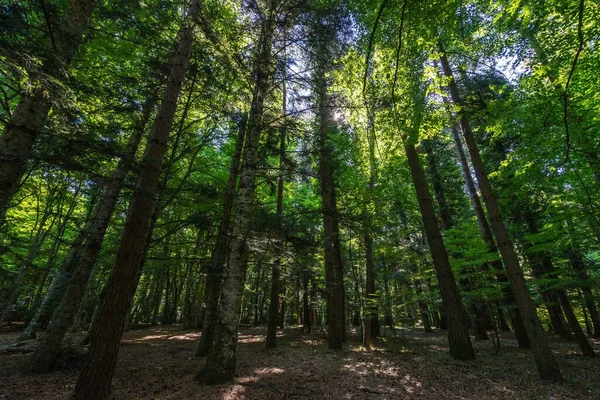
96 376
547 365
486 232
371 315
436 182
276 306
32 110
423 309
458 334
481 318
334 272
282 306
305 302
371 307
551 301
582 340
578 265
14 290
219 254
546 270
82 256
220 364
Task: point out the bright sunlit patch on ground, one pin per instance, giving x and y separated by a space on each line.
187 336
235 393
149 337
247 379
190 336
250 338
269 371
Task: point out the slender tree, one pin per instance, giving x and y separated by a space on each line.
30 114
276 312
221 361
547 365
96 376
219 253
82 257
334 272
486 234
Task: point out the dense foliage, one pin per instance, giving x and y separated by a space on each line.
302 165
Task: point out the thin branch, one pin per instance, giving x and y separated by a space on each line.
369 48
398 62
47 18
566 93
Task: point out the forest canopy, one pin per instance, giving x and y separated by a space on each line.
362 173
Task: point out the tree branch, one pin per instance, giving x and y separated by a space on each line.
566 93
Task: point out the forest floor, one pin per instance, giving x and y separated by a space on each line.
157 363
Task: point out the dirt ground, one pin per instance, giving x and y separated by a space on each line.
157 363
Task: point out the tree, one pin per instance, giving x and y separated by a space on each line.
220 364
82 258
94 381
546 363
28 118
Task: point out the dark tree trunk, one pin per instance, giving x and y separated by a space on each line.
546 270
371 315
219 253
486 232
582 340
334 271
276 306
547 365
282 308
578 265
481 317
458 334
82 256
438 188
96 376
220 364
305 302
423 309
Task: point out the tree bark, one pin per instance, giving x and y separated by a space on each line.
547 365
545 269
371 315
458 334
578 265
423 309
582 340
96 376
276 306
220 364
334 271
305 302
32 110
219 253
480 318
484 227
436 182
84 253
